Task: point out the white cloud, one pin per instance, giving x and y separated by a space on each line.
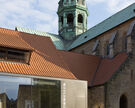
112 5
41 14
117 5
36 14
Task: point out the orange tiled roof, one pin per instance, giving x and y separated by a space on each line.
94 69
108 68
82 66
49 62
38 66
45 60
10 38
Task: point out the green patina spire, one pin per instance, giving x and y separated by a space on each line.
73 16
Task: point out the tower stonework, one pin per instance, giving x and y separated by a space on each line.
72 18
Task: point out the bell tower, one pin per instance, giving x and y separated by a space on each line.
73 16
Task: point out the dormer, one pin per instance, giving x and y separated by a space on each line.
14 55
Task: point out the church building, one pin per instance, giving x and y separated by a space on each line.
76 68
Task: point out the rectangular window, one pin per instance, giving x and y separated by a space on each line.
10 54
49 93
20 92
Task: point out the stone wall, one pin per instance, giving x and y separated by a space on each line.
96 97
122 83
119 43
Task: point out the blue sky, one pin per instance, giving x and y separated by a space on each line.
41 14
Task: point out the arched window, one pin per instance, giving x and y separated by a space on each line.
80 18
123 102
70 19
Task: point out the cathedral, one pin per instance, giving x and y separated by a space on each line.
80 67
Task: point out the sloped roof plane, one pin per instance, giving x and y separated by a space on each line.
93 69
57 41
10 38
111 22
45 60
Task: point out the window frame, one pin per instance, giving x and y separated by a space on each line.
26 54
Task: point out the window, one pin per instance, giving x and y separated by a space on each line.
29 104
112 39
125 44
130 30
95 49
10 54
95 46
20 92
108 50
80 18
123 102
70 19
61 20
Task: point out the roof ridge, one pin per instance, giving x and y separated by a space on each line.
36 30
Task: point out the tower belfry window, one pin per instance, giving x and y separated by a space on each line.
80 18
70 19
